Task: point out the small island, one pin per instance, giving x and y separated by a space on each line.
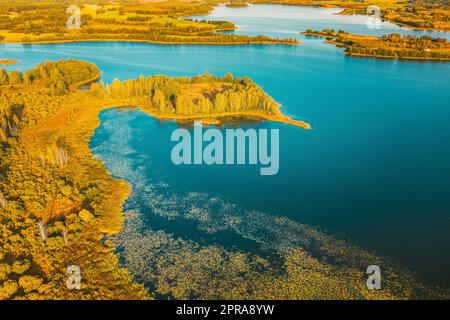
237 5
390 46
8 61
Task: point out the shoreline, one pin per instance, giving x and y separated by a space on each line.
293 43
361 55
343 13
212 119
332 40
76 86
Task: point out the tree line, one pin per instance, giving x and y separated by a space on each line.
171 95
391 45
59 75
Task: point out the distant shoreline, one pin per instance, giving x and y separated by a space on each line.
361 55
343 12
338 40
275 42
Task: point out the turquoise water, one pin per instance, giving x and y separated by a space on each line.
375 169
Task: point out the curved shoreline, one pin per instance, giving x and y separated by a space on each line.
276 116
88 81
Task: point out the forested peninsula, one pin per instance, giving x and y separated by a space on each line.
389 46
204 97
58 202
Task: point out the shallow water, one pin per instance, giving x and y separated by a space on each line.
375 168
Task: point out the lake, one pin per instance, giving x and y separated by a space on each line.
375 169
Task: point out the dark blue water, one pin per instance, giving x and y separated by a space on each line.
376 167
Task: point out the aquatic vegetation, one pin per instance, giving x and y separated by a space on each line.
289 261
304 263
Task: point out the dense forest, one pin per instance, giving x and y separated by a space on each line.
203 94
56 201
394 46
59 76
